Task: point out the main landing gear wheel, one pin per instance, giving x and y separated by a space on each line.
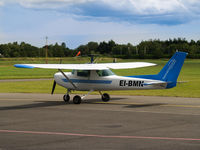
77 99
66 98
105 97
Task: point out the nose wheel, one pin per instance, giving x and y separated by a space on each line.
66 98
76 100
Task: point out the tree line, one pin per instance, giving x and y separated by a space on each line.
145 49
27 50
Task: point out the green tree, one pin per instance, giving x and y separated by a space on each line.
5 50
92 47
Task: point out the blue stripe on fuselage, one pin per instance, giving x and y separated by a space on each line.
152 77
89 81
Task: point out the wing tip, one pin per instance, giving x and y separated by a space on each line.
153 64
23 66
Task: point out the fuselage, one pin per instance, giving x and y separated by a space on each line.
105 80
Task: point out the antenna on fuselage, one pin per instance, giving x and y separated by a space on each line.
92 60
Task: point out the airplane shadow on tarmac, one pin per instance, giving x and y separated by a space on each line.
144 105
127 105
40 104
35 105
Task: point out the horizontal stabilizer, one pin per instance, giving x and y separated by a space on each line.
158 84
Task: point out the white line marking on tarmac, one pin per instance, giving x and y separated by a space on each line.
100 136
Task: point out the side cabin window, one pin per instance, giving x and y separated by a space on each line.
103 73
83 73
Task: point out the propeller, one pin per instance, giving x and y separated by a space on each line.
53 88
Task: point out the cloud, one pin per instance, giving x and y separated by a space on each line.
146 6
1 3
139 6
51 4
135 12
162 12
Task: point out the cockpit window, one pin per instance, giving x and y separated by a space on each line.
83 73
103 73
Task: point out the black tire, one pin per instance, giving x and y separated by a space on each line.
77 99
105 97
66 98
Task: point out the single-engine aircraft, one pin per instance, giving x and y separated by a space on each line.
98 77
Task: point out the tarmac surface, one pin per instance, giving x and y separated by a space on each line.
42 121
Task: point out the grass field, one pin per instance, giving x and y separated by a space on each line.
190 75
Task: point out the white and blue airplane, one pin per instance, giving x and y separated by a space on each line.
98 77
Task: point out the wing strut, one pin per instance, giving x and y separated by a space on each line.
67 78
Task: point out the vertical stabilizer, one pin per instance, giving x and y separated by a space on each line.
171 70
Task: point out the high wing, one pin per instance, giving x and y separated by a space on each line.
101 66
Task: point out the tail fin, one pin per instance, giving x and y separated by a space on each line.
171 70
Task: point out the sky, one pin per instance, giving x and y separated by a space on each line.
77 22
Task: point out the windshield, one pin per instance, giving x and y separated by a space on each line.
103 73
